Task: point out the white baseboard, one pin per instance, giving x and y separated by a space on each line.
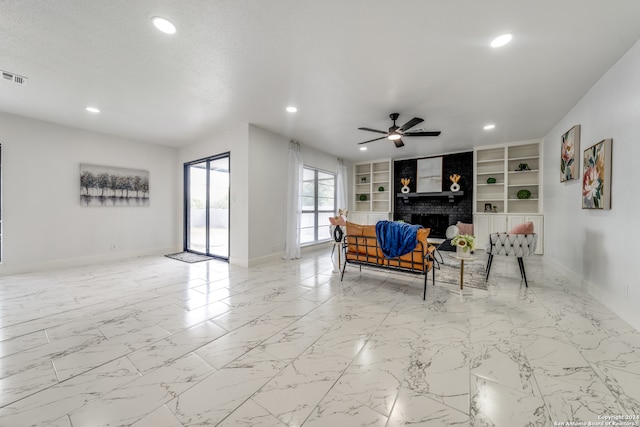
612 302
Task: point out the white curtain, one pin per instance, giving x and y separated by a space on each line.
294 203
342 189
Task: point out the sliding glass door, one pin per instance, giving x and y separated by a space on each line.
206 189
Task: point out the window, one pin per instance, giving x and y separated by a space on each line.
318 204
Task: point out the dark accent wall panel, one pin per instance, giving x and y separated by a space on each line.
461 209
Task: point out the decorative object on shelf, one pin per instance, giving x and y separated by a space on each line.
454 179
363 197
495 209
487 207
570 145
523 167
429 175
491 180
464 244
363 180
405 185
596 178
380 188
523 194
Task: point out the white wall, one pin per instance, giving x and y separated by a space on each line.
236 142
268 173
598 247
44 224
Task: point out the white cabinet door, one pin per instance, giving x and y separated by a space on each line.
497 223
367 218
481 230
374 217
514 220
357 217
485 224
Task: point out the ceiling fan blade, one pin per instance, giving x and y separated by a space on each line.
374 130
398 143
371 140
411 123
430 133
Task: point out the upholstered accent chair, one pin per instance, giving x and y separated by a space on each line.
515 245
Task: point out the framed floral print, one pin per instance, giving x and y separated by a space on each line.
569 147
596 176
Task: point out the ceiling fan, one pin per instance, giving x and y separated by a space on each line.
396 133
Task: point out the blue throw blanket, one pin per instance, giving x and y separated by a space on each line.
396 238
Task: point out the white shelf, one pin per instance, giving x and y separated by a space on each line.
377 174
513 159
490 161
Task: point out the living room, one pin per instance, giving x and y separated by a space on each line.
45 229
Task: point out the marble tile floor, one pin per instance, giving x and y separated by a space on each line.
154 342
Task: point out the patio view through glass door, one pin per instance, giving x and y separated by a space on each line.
207 206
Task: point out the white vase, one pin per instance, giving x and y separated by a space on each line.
460 253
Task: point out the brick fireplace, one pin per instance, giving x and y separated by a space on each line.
435 211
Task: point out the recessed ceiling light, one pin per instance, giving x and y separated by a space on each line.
489 126
164 25
501 40
292 109
363 148
92 110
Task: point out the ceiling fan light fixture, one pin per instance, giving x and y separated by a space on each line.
394 136
363 148
163 25
501 40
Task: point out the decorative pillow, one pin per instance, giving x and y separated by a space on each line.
465 228
524 228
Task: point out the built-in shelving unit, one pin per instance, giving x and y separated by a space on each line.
503 164
372 182
497 207
490 164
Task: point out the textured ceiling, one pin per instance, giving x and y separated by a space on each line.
344 64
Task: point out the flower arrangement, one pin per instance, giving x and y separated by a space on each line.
464 241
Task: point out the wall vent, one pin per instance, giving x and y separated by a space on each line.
21 80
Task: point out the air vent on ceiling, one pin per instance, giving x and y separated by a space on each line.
21 80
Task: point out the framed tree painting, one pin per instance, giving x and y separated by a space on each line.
113 186
596 176
569 147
